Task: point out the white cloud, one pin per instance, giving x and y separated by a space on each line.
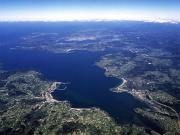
85 16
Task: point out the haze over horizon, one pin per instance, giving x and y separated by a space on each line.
69 10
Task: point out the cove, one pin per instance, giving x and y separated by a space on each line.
88 86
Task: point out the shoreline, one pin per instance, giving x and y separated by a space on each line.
50 99
123 82
119 88
48 95
143 96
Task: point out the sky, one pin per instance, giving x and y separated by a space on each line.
69 10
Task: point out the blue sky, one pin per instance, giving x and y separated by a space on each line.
57 10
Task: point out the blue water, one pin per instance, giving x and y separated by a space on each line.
88 87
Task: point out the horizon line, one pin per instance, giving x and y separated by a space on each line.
101 20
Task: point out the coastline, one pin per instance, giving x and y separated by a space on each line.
48 96
145 97
119 88
50 99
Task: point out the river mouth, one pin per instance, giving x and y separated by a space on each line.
87 84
